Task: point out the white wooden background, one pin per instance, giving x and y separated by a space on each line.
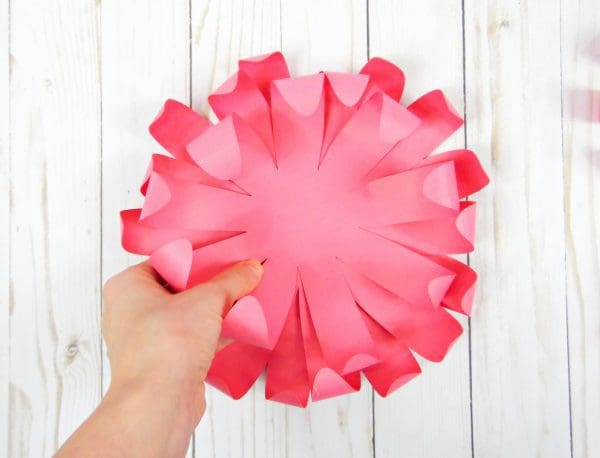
80 80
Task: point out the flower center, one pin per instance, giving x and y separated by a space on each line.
302 217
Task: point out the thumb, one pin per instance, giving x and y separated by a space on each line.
228 286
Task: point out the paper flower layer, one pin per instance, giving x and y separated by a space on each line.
326 178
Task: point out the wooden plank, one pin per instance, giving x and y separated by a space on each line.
145 60
222 33
5 229
55 239
327 36
324 35
430 416
519 344
581 142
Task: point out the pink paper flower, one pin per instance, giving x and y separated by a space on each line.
326 178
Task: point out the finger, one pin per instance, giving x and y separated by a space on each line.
238 280
136 278
220 292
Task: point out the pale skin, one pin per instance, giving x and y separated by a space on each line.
160 346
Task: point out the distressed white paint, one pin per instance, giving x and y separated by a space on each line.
4 226
519 343
538 221
55 222
581 142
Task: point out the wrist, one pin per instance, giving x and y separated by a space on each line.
172 399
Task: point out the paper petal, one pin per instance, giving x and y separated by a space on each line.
430 332
287 376
264 69
185 171
324 381
384 76
398 365
140 238
186 205
333 312
173 262
236 367
175 126
470 176
274 296
461 293
427 193
343 93
366 138
447 235
410 275
242 96
217 151
231 150
297 108
438 121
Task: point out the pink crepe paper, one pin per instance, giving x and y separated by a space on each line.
328 180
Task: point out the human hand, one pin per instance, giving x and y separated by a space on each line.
160 346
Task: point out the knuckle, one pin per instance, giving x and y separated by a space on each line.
216 292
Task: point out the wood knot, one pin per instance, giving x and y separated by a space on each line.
72 350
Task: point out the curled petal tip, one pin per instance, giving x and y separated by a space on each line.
302 94
217 150
165 110
157 195
437 288
440 186
433 101
347 87
358 362
327 383
247 323
173 262
385 75
399 382
467 300
226 88
465 222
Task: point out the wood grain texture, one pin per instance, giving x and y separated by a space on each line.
145 60
55 226
519 343
4 224
430 416
330 35
224 32
581 143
